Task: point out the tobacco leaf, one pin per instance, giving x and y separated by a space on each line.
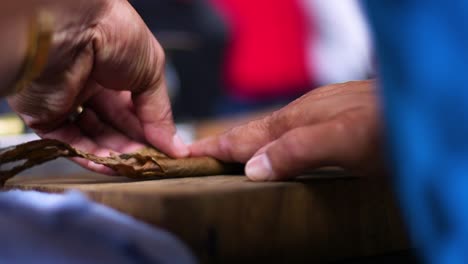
147 163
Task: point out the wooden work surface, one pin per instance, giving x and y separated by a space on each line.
227 219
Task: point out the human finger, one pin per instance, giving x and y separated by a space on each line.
104 135
343 141
116 109
71 134
238 144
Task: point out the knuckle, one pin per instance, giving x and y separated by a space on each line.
276 124
339 126
238 144
346 122
224 147
356 123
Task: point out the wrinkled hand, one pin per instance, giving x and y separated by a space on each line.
105 59
336 125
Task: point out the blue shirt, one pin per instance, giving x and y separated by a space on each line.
422 49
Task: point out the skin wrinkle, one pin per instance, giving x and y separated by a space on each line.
280 122
57 105
140 81
242 151
69 45
294 114
137 69
341 89
57 102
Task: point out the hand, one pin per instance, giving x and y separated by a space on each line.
336 125
105 59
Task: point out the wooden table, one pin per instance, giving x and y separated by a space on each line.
327 216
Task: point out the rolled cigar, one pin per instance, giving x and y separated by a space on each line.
144 164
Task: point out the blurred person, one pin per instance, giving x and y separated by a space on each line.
49 228
279 50
422 56
340 50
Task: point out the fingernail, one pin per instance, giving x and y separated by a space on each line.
259 168
181 149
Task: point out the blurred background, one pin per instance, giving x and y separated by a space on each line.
231 58
227 57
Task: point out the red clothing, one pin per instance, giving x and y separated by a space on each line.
267 52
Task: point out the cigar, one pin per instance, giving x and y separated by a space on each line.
148 163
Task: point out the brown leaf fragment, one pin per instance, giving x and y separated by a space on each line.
147 163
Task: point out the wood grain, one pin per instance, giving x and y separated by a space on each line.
328 216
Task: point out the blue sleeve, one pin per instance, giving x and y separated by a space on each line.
422 49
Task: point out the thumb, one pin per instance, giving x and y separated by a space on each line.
324 144
128 57
154 112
